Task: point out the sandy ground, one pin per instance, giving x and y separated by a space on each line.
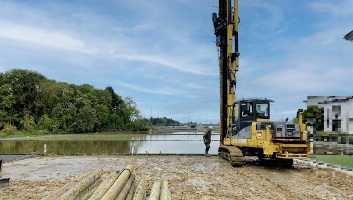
189 177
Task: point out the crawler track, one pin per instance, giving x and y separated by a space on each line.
233 154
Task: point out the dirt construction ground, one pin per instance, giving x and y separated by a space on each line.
189 177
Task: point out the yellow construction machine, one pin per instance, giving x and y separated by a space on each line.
245 125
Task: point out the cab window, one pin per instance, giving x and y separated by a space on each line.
246 109
262 110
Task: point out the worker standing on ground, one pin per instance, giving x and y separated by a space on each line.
207 139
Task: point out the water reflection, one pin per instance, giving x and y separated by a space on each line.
170 143
175 147
64 147
177 137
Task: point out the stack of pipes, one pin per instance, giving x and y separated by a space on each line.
116 186
160 191
72 189
121 187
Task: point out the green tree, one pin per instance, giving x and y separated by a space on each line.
163 121
116 111
45 123
89 118
294 120
130 111
27 123
50 93
29 101
18 89
315 115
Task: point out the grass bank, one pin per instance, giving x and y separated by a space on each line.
112 136
342 160
323 133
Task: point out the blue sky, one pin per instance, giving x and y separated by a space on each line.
162 53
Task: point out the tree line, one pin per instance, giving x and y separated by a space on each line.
163 121
29 101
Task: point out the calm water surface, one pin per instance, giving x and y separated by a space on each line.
169 143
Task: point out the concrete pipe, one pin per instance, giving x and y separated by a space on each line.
113 192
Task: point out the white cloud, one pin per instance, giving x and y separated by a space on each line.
164 60
339 8
259 26
54 40
118 48
137 28
194 86
330 37
42 36
301 79
163 90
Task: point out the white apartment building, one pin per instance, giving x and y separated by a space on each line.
338 112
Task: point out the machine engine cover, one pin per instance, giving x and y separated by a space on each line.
287 130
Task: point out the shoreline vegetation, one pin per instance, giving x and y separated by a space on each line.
32 103
116 135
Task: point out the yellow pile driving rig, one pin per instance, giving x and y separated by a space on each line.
245 125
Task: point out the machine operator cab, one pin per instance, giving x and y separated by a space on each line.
246 111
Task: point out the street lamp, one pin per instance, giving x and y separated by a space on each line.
349 36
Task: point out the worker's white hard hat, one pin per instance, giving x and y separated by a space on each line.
210 127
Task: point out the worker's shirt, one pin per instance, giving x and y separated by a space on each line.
207 137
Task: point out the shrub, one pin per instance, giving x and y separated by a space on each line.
45 123
28 124
9 129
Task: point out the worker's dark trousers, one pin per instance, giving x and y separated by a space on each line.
207 147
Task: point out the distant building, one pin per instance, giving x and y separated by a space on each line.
338 112
314 100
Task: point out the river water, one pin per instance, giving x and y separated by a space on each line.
167 143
